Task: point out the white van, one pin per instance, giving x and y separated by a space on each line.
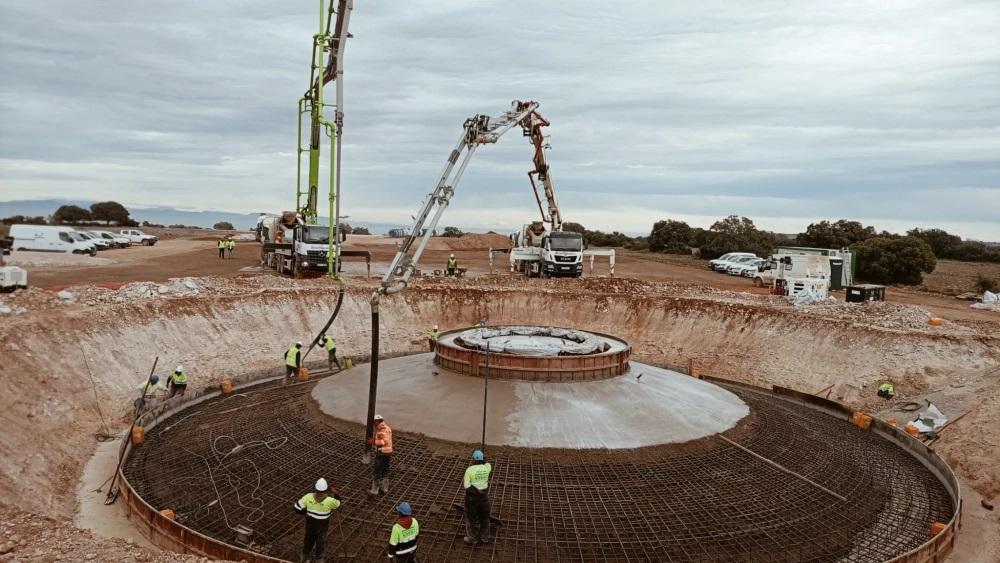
50 238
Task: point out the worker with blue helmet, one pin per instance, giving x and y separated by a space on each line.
477 500
403 537
147 391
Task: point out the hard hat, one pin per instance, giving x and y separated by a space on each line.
299 343
477 455
322 486
179 368
379 417
154 379
435 327
404 508
452 255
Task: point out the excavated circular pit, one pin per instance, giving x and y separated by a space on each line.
532 353
240 461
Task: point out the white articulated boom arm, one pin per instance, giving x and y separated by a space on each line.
532 125
478 130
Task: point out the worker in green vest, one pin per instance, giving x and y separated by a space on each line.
477 500
293 361
403 537
177 382
222 248
886 390
452 264
231 246
317 508
330 345
432 337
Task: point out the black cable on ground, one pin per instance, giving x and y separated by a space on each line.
336 311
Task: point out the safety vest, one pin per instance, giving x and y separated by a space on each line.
887 387
318 509
329 344
383 439
434 334
404 540
290 357
179 378
231 244
478 476
222 244
452 263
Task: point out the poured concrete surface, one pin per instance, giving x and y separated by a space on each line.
414 395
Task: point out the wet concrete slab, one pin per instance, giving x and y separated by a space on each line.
628 411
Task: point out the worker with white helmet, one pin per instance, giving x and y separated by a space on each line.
317 507
177 382
293 361
432 337
452 264
381 443
477 500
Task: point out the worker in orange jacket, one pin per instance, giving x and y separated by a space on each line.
382 444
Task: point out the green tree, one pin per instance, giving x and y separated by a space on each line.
943 243
736 234
23 220
109 212
360 231
901 260
670 236
71 214
452 232
840 234
574 227
223 226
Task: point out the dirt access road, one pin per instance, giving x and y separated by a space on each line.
194 253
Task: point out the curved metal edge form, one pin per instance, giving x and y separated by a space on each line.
937 547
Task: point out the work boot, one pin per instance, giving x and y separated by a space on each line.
374 490
469 540
384 484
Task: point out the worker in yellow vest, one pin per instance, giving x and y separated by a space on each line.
886 390
293 361
222 248
432 337
452 265
177 382
317 508
477 500
231 246
330 345
403 537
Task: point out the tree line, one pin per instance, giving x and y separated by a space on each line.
882 257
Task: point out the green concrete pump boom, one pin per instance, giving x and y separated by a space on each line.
312 104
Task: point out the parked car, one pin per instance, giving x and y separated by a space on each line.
50 238
99 242
116 240
138 237
722 262
741 264
753 268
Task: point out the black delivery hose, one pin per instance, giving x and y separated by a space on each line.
336 311
372 381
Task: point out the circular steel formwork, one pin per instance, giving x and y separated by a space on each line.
451 355
242 460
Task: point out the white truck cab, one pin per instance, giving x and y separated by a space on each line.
540 252
50 238
138 237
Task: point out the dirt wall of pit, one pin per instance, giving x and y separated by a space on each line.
49 417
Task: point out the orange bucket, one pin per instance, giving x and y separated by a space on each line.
935 321
890 421
861 420
937 528
226 386
168 514
138 435
911 429
303 374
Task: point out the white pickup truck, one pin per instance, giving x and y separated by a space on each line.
138 237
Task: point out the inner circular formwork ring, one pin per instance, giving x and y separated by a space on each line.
533 353
241 461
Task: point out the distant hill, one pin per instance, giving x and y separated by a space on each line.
159 215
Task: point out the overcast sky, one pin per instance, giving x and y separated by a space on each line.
787 112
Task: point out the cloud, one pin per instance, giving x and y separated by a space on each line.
784 112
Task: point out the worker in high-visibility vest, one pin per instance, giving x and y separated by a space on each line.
330 345
222 248
148 389
177 382
886 390
231 246
317 508
452 265
432 338
477 500
381 443
293 361
403 537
